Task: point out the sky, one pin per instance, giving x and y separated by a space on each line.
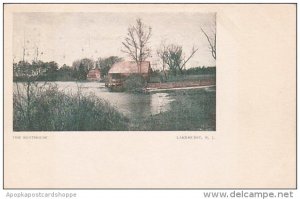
66 37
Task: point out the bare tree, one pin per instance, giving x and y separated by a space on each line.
173 56
212 42
136 42
162 54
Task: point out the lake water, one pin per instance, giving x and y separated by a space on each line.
130 104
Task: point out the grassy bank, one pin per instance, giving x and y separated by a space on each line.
191 110
52 110
48 109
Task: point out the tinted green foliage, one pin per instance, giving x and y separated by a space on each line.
35 71
49 71
42 71
191 74
106 63
81 68
134 83
66 73
48 109
201 70
191 110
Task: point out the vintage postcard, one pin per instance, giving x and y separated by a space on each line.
114 71
150 96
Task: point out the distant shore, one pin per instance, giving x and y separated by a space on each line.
179 88
182 84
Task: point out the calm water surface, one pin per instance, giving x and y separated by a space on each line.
130 104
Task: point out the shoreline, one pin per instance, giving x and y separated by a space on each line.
177 88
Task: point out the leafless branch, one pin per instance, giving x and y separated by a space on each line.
192 54
135 43
212 43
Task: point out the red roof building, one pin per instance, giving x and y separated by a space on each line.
121 70
94 75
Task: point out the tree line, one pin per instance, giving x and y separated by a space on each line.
136 45
49 71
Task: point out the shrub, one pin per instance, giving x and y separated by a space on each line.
134 83
53 110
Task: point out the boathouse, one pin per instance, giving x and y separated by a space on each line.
121 70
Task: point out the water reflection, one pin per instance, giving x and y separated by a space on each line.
130 104
160 102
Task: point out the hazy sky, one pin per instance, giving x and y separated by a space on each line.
65 37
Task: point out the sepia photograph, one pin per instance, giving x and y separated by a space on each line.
109 71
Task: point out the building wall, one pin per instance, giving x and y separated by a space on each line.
93 76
